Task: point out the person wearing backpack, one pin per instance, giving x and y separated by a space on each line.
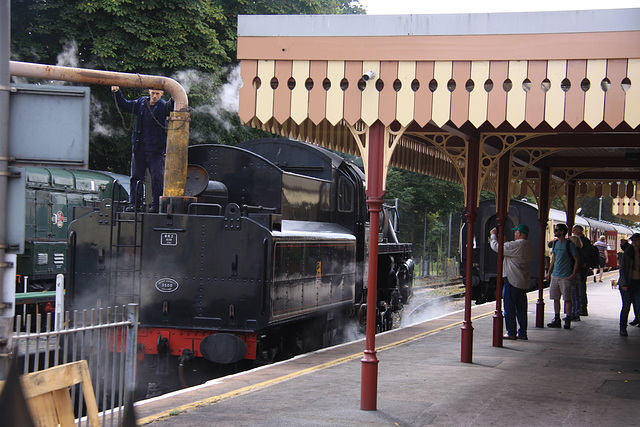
576 301
564 267
588 258
629 282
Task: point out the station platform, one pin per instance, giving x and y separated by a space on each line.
586 376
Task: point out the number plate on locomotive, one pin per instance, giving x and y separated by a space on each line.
167 285
169 239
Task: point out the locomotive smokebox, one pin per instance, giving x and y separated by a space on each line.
223 348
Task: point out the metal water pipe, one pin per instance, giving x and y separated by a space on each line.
178 133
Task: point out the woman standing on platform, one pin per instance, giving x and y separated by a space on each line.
629 283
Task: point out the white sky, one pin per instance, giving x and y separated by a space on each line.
402 7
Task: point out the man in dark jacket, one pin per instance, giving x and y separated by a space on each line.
629 282
148 140
578 230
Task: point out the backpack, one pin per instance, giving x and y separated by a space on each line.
592 254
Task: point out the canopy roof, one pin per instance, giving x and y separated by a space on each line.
556 91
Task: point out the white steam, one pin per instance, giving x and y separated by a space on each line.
98 126
438 307
224 101
69 55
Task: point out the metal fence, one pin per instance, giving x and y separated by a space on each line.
432 265
106 338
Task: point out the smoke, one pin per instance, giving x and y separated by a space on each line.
436 308
208 98
351 332
98 122
69 55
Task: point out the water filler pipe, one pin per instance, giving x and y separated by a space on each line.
178 133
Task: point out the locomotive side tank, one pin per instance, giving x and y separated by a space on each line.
266 259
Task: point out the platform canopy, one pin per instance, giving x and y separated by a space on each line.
558 92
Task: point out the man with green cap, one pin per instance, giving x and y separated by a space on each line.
517 257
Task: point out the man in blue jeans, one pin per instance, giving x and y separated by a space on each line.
148 142
517 257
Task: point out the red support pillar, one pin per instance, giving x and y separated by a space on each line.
543 217
571 205
375 192
473 159
502 207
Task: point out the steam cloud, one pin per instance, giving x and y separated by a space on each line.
224 101
437 309
69 55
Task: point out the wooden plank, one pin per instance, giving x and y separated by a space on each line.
370 95
47 394
517 96
614 96
43 410
478 97
555 97
461 73
632 95
335 95
406 96
574 104
264 94
388 95
51 379
594 97
441 96
424 97
64 408
300 94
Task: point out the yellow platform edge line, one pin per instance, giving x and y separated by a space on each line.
215 399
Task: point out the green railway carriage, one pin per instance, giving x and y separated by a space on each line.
51 194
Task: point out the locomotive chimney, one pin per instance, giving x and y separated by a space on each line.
178 134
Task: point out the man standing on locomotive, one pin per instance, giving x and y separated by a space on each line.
565 264
149 142
517 257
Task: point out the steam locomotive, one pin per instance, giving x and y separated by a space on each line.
266 258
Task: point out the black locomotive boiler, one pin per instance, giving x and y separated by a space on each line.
267 258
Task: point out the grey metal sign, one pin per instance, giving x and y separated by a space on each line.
49 125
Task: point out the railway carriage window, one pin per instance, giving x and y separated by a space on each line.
345 195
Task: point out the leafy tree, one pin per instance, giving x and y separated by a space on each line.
181 38
420 194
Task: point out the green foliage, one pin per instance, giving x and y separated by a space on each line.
150 37
420 194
